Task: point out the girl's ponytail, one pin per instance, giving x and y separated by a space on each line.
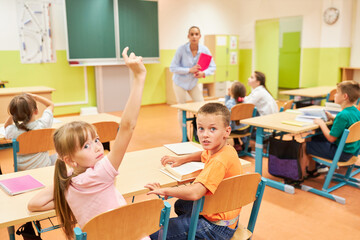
63 211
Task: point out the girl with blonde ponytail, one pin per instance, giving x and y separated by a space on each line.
84 177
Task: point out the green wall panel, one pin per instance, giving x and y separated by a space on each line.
267 52
154 89
289 60
245 66
321 66
68 81
309 67
331 59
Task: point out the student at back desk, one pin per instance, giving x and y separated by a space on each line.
325 145
236 94
221 161
23 111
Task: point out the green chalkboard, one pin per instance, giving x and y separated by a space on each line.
91 29
138 24
90 25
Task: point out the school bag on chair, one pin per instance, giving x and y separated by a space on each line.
284 160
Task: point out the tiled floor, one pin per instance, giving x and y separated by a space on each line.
299 216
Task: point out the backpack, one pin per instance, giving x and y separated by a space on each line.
284 160
27 231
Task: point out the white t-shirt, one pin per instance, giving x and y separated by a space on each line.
263 101
36 160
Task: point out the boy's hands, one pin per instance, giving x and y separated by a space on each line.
329 115
173 161
156 189
319 121
134 63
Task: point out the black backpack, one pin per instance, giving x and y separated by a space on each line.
27 231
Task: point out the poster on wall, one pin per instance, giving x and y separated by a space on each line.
233 42
233 58
221 40
36 45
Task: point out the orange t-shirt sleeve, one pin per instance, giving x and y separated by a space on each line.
211 176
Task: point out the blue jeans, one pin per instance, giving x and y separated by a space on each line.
321 147
179 226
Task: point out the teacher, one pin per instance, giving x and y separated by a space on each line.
187 71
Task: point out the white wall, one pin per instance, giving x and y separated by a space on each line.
9 39
355 48
214 17
338 34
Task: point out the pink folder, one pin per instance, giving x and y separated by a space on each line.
204 61
17 185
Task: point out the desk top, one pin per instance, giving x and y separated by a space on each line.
309 92
192 106
19 90
101 117
273 121
136 170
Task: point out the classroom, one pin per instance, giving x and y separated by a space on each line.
289 40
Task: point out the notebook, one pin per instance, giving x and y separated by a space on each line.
204 61
182 148
22 184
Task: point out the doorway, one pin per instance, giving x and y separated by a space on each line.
278 52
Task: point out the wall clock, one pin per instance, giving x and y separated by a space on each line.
331 15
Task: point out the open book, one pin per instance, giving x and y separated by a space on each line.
17 185
183 172
182 148
308 115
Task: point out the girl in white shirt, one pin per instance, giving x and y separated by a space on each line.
260 96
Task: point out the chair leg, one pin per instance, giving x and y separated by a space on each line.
323 194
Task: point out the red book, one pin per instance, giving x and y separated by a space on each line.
204 61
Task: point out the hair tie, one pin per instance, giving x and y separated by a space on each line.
240 99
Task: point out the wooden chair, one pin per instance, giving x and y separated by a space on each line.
350 135
239 112
34 141
231 194
330 96
133 221
283 106
107 132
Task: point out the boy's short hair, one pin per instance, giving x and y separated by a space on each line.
351 88
216 109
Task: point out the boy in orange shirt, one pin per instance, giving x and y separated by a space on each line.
221 162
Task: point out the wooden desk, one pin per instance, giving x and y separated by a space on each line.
273 122
192 107
6 94
313 92
101 117
136 170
